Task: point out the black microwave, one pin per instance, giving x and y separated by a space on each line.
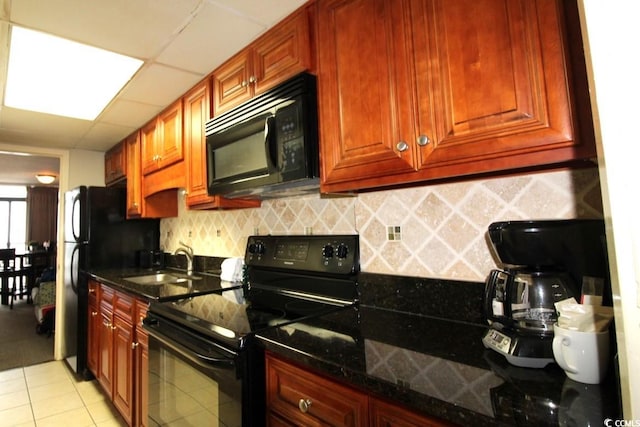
268 146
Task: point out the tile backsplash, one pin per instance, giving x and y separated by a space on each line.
436 231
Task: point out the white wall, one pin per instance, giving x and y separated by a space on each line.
85 168
612 32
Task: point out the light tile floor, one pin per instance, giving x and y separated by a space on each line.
48 395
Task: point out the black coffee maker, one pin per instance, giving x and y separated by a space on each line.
543 262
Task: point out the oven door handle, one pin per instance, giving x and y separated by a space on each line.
201 360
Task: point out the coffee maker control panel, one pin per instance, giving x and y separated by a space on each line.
497 341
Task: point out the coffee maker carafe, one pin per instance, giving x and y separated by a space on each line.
543 262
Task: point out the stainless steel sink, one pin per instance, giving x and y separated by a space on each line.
162 279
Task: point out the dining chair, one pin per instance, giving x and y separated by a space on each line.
10 276
36 263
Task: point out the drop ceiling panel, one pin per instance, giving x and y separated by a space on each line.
129 113
201 49
101 136
159 85
38 128
265 12
140 28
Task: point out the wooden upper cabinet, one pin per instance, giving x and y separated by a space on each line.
448 89
364 90
282 52
196 113
162 143
134 174
115 164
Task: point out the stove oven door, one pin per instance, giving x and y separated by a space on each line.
192 380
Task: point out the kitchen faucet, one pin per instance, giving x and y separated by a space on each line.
188 252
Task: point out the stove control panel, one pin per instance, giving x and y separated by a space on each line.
336 254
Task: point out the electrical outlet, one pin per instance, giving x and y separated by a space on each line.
394 232
218 233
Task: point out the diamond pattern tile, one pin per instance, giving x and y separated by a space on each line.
443 226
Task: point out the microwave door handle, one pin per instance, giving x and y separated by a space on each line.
270 145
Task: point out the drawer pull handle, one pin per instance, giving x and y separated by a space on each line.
304 405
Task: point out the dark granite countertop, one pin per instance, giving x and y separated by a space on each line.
435 365
205 283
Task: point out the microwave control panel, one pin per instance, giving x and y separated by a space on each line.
289 136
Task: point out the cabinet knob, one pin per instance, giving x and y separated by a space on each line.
92 291
134 345
253 79
244 83
113 328
304 405
402 146
94 313
423 140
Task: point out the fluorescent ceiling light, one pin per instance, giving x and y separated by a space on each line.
56 76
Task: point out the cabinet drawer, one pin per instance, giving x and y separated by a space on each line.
106 295
303 398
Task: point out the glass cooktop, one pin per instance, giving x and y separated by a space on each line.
229 317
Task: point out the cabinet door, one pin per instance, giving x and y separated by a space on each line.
196 113
141 367
169 144
232 82
384 414
282 52
493 73
149 156
123 367
93 328
115 164
134 176
307 399
105 358
365 102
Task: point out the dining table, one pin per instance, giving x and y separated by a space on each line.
29 265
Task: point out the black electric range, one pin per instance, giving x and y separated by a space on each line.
287 279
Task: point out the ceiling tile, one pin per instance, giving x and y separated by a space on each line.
197 49
138 28
267 12
43 129
129 113
159 85
103 136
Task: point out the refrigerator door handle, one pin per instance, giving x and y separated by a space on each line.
75 268
75 218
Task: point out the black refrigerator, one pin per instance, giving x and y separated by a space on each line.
97 236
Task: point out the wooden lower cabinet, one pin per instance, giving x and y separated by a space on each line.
299 397
116 357
141 367
93 326
385 414
303 398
